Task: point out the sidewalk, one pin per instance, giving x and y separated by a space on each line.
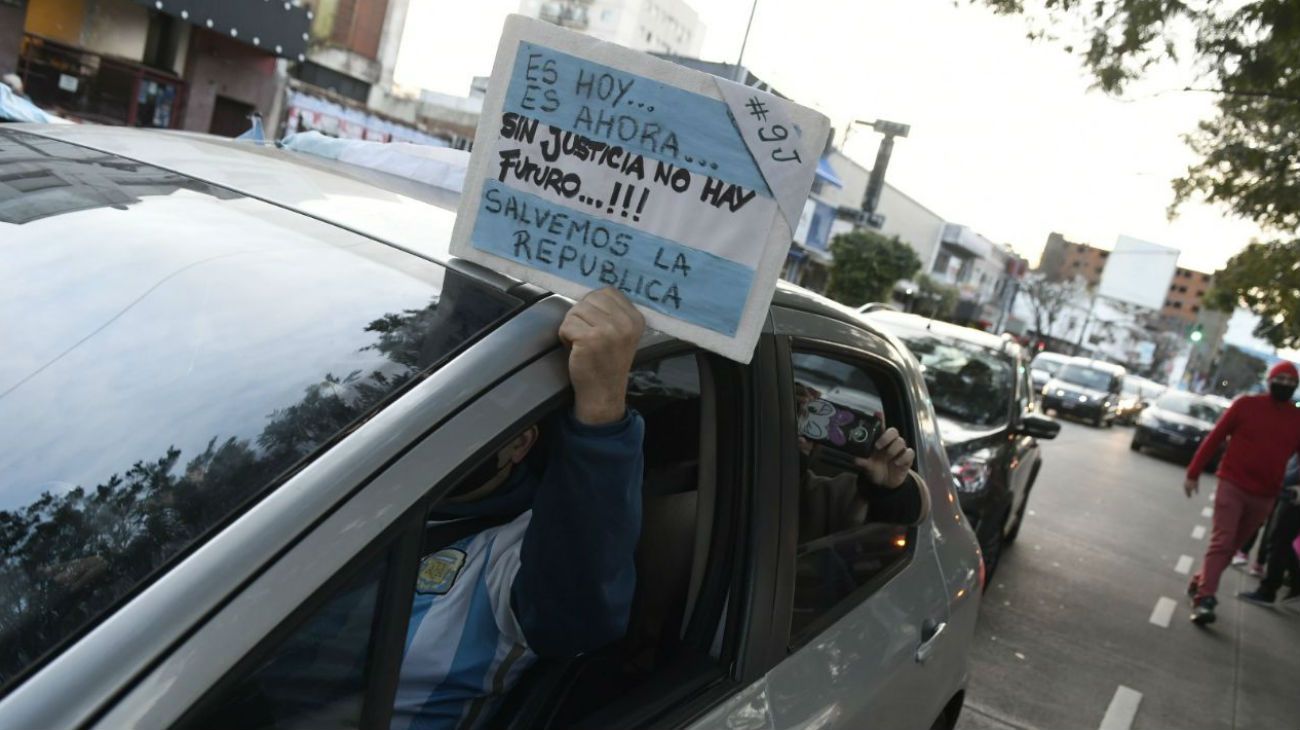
1266 692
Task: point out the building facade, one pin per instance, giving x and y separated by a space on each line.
201 65
1185 297
1064 259
659 26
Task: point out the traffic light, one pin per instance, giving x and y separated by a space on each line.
1196 335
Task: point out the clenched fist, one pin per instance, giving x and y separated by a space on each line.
602 331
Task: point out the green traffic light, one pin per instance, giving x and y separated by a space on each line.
1196 336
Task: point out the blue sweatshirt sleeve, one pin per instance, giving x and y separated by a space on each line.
576 579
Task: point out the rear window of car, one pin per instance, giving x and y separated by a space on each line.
967 382
172 351
1185 404
1046 364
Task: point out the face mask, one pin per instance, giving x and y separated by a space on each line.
1281 392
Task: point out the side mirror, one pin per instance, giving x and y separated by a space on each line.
1038 426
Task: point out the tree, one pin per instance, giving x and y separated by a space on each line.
935 299
1264 278
866 267
1047 300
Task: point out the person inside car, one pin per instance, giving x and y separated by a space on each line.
551 572
871 490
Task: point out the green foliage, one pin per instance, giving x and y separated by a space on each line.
1264 278
866 267
1246 52
935 299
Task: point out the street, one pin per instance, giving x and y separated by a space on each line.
1080 608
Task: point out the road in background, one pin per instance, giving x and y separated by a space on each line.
1086 618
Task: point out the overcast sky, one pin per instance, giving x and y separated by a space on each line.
1006 137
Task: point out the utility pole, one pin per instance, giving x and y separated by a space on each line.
740 60
876 183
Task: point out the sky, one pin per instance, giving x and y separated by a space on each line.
1006 136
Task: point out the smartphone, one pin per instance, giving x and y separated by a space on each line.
839 427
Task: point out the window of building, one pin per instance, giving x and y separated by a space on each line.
1076 264
1178 305
1205 277
1104 254
1196 307
1182 290
1200 294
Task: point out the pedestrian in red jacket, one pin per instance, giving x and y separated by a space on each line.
1262 432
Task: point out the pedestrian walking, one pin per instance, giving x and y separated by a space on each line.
1262 432
1285 526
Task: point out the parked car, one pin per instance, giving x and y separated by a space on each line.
1135 394
1085 389
1176 423
988 420
243 378
1045 366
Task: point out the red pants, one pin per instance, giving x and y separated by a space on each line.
1237 514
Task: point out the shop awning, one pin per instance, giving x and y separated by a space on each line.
275 26
827 173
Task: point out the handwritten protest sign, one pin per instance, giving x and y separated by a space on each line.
599 166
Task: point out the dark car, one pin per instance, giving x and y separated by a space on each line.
982 395
1176 423
1085 389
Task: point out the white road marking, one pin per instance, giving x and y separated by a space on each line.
1211 496
1184 564
1198 532
1164 611
1207 512
1123 708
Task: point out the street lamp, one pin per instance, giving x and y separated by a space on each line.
876 183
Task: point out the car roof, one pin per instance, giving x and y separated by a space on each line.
1058 357
403 213
917 323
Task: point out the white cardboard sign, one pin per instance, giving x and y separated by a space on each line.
595 166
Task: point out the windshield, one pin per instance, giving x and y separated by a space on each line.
1186 404
187 348
1087 377
966 382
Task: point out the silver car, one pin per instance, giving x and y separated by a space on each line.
234 382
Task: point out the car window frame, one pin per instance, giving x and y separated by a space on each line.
874 364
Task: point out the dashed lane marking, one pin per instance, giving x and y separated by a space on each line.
1198 532
1164 611
1123 708
1207 512
1184 565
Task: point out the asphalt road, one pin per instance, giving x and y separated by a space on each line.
1073 622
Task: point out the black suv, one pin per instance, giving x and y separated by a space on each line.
1086 389
988 419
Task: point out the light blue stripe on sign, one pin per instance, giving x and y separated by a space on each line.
682 282
633 112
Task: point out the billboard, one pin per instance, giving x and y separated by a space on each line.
1138 272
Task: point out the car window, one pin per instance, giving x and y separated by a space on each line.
1189 405
316 677
967 382
1050 365
176 364
1087 377
841 546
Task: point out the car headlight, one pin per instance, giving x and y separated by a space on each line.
1083 399
971 472
1060 392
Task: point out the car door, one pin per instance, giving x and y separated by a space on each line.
873 652
316 639
1023 447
